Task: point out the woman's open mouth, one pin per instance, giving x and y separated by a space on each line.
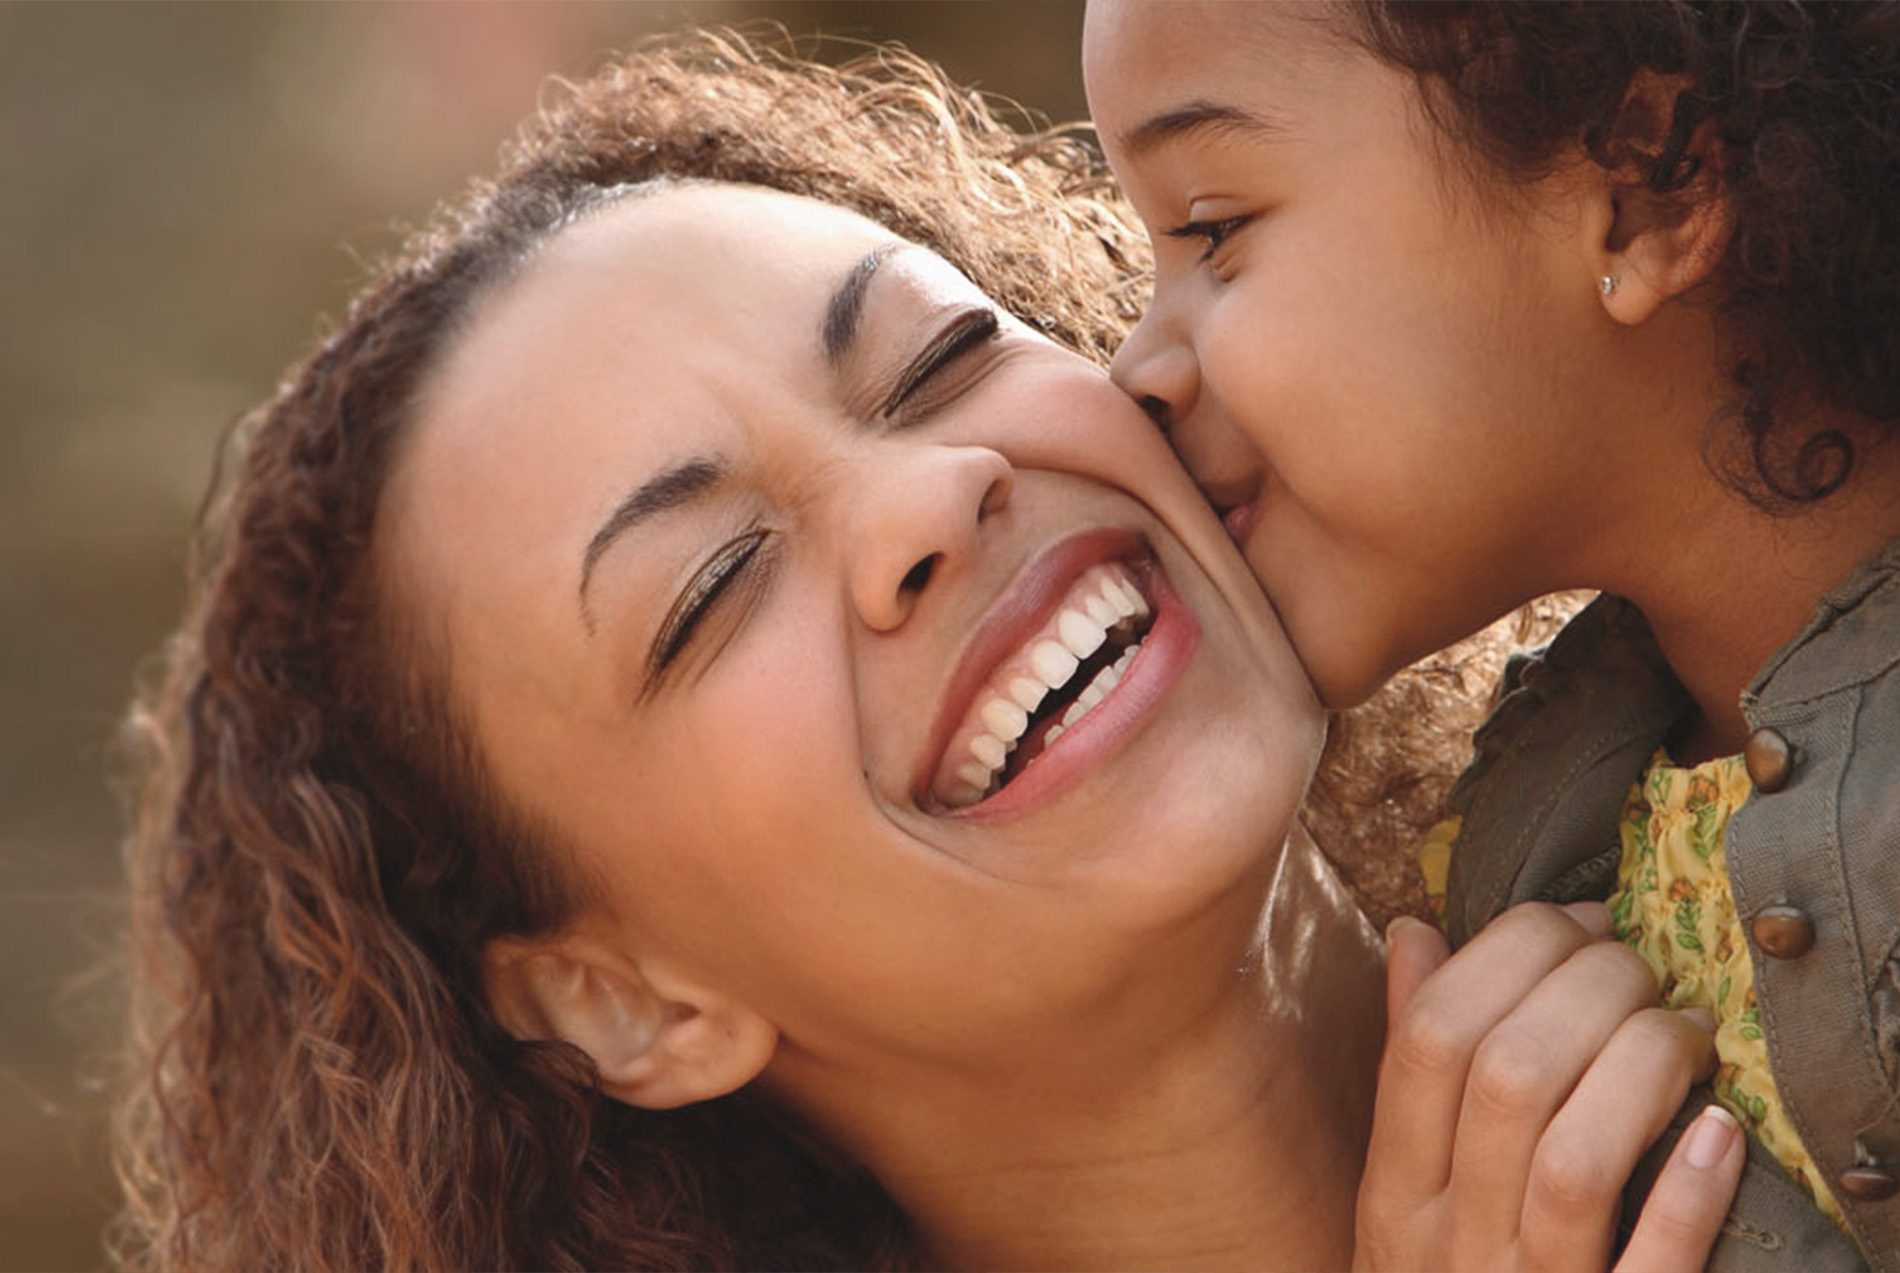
1069 661
1047 685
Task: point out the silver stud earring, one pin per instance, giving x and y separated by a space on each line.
1606 284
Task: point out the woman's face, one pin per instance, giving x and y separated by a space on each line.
751 529
1388 372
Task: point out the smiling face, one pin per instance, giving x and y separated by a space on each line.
1386 373
751 531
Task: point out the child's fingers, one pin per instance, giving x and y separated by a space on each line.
1621 1104
1685 1210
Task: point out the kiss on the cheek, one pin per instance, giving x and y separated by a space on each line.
1458 307
716 735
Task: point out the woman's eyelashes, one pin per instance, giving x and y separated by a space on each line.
967 330
735 562
737 572
1211 233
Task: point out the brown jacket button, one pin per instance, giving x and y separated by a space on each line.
1782 932
1769 759
1869 1184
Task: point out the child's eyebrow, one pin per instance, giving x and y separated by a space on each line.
1201 119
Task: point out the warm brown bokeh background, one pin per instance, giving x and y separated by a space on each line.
187 187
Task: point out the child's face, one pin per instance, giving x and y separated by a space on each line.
1379 368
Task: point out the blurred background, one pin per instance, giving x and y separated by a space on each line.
188 189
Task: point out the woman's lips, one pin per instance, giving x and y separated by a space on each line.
1057 675
1018 613
1144 677
1086 638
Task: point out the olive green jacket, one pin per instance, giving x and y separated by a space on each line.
1817 846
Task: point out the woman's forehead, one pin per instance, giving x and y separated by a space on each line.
691 321
665 278
691 278
776 239
683 261
690 230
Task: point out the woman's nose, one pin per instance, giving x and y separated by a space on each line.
920 519
1158 369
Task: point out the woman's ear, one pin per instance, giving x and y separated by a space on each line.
1657 246
658 1040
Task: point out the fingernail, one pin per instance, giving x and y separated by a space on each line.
1710 1136
1594 916
1702 1017
1398 922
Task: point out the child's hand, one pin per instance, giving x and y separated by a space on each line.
1522 1080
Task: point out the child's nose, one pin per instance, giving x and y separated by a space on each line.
1158 370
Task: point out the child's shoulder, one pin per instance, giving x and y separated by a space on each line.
1389 763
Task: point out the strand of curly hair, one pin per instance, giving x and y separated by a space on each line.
318 857
1803 100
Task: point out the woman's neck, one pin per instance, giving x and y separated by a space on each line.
1236 1143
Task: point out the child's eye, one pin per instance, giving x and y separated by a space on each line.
1211 233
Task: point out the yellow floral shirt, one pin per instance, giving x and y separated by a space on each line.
1672 906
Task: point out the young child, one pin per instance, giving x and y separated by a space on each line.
1458 305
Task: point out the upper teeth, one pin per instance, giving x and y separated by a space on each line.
1052 662
1104 596
1028 692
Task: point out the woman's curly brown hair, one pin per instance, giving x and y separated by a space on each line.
319 857
1803 97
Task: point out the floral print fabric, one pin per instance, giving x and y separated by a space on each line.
1672 906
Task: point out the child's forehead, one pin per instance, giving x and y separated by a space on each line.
1189 37
1145 62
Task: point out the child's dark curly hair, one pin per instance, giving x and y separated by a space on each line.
1803 99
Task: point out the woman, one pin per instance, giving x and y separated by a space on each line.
704 742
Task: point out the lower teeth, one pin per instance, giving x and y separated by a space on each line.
1098 688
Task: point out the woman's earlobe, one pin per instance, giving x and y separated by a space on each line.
657 1046
704 1051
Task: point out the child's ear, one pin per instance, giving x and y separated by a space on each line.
658 1040
1655 246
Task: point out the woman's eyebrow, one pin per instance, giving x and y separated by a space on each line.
846 309
666 490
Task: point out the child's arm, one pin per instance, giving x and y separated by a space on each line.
1522 1080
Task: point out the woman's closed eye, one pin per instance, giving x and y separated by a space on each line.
1212 233
736 562
735 575
966 331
